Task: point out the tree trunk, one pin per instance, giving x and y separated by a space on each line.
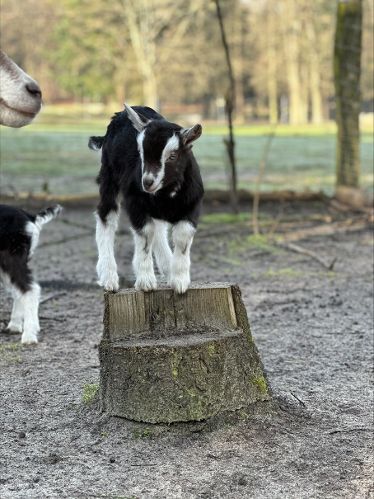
166 357
347 69
297 98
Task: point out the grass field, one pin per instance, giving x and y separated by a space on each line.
52 155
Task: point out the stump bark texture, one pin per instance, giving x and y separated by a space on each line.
166 357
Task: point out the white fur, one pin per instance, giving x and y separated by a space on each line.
18 107
143 261
24 316
171 145
183 233
140 140
33 230
30 303
161 248
106 266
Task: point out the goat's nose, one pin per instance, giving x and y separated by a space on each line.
148 182
33 88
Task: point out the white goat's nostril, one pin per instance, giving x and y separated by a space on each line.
33 89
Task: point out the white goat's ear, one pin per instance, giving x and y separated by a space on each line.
191 134
138 120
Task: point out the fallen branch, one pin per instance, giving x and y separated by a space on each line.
52 297
326 230
66 239
303 251
56 319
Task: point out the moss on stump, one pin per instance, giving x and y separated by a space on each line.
167 358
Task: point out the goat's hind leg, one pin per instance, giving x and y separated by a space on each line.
161 248
183 233
107 217
26 294
16 319
143 261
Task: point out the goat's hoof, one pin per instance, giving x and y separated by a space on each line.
146 283
29 339
180 284
110 284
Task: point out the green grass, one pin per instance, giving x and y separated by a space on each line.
89 393
52 154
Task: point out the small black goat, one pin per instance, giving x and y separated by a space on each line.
148 162
19 236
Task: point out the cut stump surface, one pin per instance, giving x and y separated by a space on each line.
166 357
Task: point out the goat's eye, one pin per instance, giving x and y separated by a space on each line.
172 156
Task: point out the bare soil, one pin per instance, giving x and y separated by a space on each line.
313 328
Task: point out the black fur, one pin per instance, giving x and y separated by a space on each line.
15 243
121 175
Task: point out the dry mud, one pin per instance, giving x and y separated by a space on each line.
313 328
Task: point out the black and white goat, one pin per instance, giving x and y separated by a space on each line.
147 161
19 236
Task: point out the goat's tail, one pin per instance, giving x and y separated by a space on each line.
48 214
96 143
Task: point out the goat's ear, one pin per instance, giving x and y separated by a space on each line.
191 134
138 120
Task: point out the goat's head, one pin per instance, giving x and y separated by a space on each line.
164 150
20 95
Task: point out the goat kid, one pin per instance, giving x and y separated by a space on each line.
19 235
20 95
147 161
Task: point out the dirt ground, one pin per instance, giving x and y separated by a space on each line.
313 328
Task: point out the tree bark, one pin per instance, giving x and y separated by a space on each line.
347 70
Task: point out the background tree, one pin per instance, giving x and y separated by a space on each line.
347 69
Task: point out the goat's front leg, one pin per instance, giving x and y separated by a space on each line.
143 261
183 233
106 266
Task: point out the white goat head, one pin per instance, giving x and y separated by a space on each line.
20 95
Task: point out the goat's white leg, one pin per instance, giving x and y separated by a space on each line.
16 319
161 248
30 301
106 266
183 233
143 261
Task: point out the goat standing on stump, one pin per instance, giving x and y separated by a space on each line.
148 162
19 236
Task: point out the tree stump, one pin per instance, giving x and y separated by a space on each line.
166 357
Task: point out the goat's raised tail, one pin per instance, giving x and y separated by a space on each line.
96 143
48 214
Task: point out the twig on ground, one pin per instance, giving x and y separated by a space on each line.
75 224
348 430
56 319
66 239
52 297
303 251
299 400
